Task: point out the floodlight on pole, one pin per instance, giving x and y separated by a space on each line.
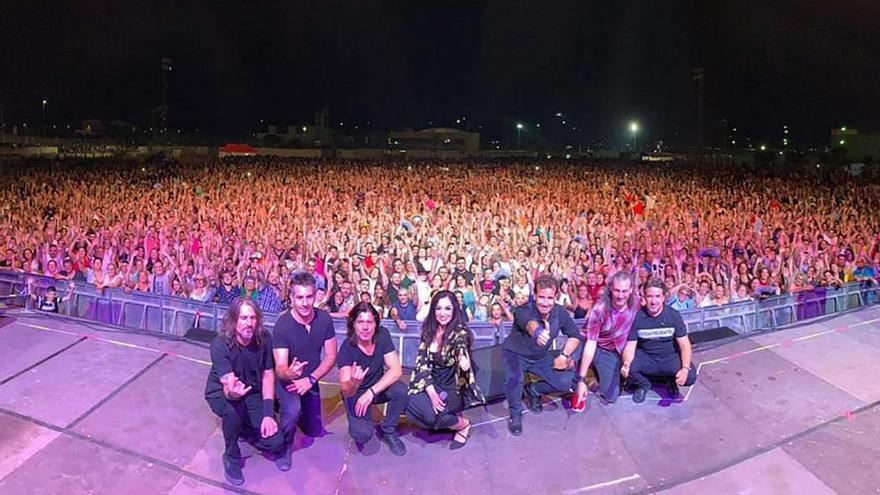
519 128
634 131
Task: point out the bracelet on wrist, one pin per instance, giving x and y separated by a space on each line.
268 408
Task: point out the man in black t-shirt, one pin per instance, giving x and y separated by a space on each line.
300 336
658 346
528 349
241 386
369 373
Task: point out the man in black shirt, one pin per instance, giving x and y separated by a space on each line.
299 337
241 386
528 349
369 373
658 346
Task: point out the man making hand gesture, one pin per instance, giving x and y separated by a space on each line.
241 386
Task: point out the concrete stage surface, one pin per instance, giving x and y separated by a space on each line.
89 409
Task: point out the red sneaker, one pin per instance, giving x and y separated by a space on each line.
578 405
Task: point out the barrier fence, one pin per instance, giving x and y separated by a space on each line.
175 316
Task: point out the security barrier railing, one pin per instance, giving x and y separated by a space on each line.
175 315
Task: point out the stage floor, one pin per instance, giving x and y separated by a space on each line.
88 409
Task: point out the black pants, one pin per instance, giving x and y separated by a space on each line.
361 428
421 412
648 365
515 367
244 416
303 411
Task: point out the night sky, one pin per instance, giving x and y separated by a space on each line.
808 64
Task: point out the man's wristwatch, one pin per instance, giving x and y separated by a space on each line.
312 380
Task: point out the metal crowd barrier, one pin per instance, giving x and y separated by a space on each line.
175 315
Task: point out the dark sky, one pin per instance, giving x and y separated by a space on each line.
808 64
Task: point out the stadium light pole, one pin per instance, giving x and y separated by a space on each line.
45 102
519 128
634 131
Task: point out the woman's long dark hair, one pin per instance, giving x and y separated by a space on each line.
230 320
361 307
430 326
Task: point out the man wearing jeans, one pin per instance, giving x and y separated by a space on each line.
528 349
606 331
299 337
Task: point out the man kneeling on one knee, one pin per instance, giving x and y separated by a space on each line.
658 346
369 373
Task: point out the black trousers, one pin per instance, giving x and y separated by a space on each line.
421 412
244 416
303 411
646 365
361 428
552 381
607 366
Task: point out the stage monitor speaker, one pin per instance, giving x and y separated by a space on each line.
489 371
200 335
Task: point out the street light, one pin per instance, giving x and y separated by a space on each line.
519 128
634 130
45 102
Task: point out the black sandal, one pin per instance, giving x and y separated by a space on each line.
462 433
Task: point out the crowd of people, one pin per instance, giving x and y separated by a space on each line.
394 234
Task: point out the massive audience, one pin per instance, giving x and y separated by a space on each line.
394 234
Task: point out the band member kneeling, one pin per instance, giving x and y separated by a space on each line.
528 348
443 381
369 373
651 348
241 386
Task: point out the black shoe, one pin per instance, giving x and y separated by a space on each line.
534 401
461 437
394 443
284 461
672 389
640 394
514 425
232 470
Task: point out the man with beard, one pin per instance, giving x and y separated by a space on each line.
658 346
241 386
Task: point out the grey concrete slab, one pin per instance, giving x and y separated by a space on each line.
19 440
24 346
316 464
851 366
189 486
845 454
72 466
61 389
774 395
670 442
161 414
772 472
561 453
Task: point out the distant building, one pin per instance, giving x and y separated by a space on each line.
436 139
859 147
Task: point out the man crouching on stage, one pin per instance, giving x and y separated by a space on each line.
241 385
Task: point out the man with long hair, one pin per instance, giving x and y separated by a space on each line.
528 348
606 331
369 373
241 386
300 336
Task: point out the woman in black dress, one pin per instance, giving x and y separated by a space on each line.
443 381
